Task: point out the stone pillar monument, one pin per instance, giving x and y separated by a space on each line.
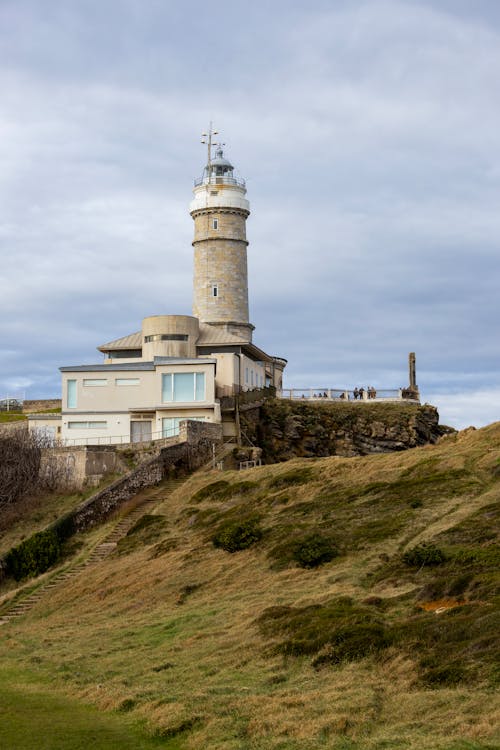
412 372
220 210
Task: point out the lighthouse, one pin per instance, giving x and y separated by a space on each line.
220 277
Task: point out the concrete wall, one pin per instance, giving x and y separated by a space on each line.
158 325
84 466
79 467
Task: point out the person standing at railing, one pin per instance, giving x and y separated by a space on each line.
355 393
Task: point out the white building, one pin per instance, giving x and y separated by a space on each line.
178 367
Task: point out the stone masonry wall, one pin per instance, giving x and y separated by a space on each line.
173 460
39 405
194 451
220 257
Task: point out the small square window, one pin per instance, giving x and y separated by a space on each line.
215 223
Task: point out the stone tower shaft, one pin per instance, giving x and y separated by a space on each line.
220 283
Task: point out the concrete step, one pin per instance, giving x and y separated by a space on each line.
102 550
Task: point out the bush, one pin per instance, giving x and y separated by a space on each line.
214 491
20 457
307 549
33 556
236 536
314 550
222 490
337 631
424 554
290 478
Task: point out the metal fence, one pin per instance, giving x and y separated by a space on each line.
339 394
112 439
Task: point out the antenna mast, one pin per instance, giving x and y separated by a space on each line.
207 138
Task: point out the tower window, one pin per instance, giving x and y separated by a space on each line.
215 290
215 223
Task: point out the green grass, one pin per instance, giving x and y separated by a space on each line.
33 716
11 416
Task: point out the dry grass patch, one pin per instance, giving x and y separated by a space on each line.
171 631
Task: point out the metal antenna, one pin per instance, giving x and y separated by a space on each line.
209 143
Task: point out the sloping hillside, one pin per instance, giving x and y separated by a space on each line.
356 609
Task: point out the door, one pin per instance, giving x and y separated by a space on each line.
140 431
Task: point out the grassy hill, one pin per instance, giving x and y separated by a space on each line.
359 611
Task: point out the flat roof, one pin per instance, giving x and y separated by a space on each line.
138 366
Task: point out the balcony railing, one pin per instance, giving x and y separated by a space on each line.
222 180
155 437
338 394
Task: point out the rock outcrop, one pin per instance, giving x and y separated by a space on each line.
289 429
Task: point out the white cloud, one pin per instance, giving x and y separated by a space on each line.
471 408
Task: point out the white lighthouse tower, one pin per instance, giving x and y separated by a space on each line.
220 210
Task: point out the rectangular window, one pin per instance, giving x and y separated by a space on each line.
183 386
215 290
215 223
127 381
251 377
95 382
87 425
199 386
246 375
71 394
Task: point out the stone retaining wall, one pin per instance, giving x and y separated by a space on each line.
42 404
173 460
195 450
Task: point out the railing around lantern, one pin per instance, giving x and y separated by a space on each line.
222 180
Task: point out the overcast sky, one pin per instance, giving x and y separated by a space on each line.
369 136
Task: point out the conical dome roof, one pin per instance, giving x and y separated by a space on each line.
220 161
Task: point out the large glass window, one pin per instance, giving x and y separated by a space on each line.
183 386
71 394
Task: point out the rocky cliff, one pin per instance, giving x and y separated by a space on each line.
288 429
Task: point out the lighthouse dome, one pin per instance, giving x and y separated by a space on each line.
221 162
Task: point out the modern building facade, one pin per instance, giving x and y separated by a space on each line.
177 366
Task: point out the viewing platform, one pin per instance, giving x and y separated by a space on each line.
368 395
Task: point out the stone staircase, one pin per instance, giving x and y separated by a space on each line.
20 605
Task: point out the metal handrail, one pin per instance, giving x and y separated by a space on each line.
342 394
117 439
221 180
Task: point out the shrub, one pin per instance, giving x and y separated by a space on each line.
20 457
337 631
307 549
296 476
222 490
33 556
424 554
213 491
314 550
235 536
444 676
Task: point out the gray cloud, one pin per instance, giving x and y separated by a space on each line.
368 134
